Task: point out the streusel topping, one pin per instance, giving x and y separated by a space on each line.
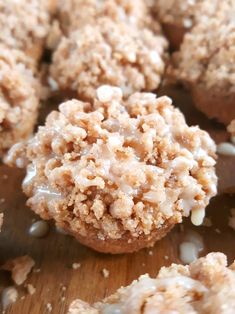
74 14
207 54
18 100
109 53
24 23
205 286
118 166
187 13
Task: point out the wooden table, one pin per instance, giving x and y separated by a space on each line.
56 253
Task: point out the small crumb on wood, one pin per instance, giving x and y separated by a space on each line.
30 288
19 267
105 273
151 253
1 220
76 265
217 231
49 307
166 257
9 296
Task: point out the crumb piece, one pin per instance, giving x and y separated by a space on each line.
143 264
5 176
151 253
62 299
49 307
63 288
218 231
19 267
31 289
188 252
2 200
23 297
166 257
105 273
1 220
9 296
226 149
76 265
207 222
231 221
37 270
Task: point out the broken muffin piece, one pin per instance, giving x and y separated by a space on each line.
118 174
205 286
109 53
25 25
180 16
18 100
206 64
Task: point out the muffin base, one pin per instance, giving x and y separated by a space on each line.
215 104
126 244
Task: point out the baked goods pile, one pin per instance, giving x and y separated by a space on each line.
116 166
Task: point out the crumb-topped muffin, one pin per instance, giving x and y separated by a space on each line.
179 16
25 24
118 174
109 53
206 63
206 286
18 100
74 14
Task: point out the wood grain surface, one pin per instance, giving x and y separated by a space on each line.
58 283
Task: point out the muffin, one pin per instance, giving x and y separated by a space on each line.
108 53
18 97
25 25
206 64
179 16
116 174
205 286
74 14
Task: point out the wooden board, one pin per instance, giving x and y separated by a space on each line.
55 254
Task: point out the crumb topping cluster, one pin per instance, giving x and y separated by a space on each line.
74 14
18 100
207 54
118 166
24 24
109 53
186 13
205 286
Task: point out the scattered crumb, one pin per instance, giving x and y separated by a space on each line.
62 299
19 267
63 288
49 307
9 296
37 270
5 176
217 231
207 222
231 221
23 297
105 273
150 252
1 220
166 257
31 289
76 265
143 264
2 200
